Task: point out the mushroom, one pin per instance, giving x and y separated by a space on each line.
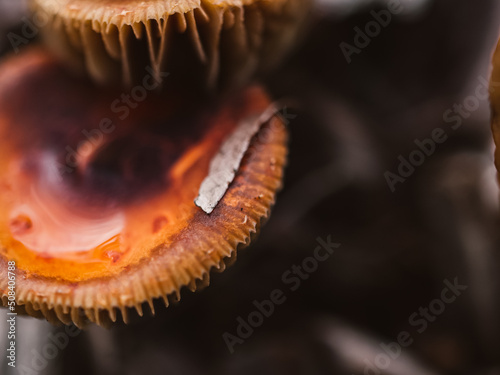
98 211
207 42
495 103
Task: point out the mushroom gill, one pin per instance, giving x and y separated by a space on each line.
97 209
209 43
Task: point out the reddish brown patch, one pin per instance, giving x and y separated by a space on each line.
45 256
114 256
159 223
20 225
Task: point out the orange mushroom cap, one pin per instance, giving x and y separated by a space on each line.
97 208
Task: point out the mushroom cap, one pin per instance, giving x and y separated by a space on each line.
120 227
203 43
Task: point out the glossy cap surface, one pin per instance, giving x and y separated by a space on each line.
97 205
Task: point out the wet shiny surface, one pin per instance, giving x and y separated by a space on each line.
91 183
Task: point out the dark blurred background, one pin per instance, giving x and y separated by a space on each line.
353 123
